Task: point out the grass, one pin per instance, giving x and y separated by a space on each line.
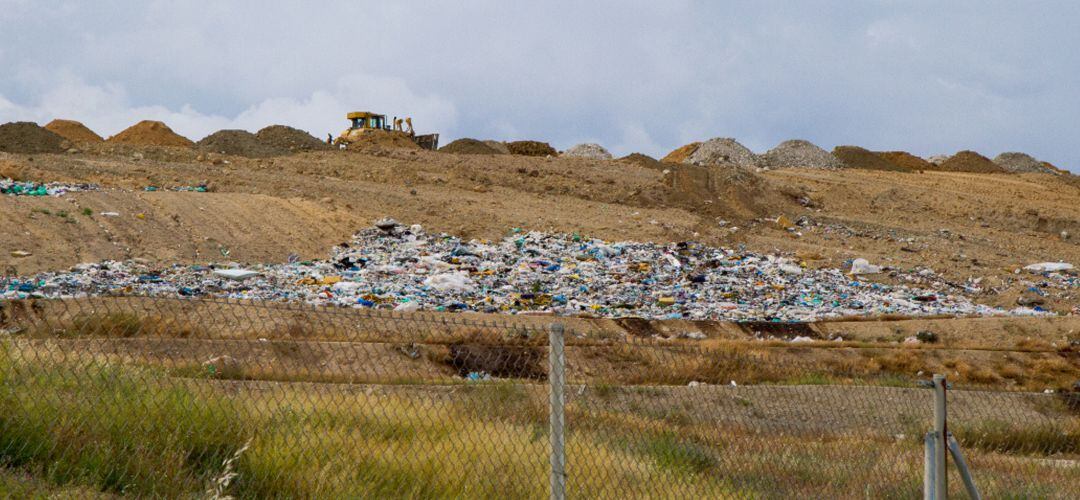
81 426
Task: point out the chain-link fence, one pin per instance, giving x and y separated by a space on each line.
178 398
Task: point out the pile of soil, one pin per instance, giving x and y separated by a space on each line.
468 146
1020 163
1054 169
643 160
589 150
289 139
498 146
681 154
151 133
73 131
970 161
28 137
724 151
906 161
531 148
381 141
239 143
799 153
856 157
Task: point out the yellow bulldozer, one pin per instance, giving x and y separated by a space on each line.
365 122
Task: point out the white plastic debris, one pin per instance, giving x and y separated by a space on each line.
236 274
450 282
1048 267
863 266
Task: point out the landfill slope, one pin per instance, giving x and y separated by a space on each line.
963 226
150 133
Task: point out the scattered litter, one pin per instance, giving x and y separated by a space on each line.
19 188
110 214
20 253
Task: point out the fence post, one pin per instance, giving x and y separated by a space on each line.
929 466
557 406
941 483
962 467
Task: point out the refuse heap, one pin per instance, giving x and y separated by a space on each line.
800 153
587 150
724 152
24 188
1020 162
405 269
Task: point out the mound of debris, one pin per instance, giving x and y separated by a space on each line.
937 159
239 143
856 157
151 133
799 153
498 146
467 146
1054 169
1020 163
29 138
906 161
588 150
643 160
724 152
73 131
289 139
970 161
395 267
531 148
681 154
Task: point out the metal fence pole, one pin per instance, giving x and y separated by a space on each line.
941 483
965 472
556 380
929 466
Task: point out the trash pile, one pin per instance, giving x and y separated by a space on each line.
587 150
404 268
24 188
799 153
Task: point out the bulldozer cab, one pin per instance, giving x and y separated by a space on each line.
366 120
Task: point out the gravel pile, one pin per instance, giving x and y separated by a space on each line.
799 153
970 161
861 158
29 138
289 139
531 148
239 143
588 150
724 151
1020 163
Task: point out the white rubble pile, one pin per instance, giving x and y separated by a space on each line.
587 150
724 152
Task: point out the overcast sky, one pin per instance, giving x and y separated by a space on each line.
928 77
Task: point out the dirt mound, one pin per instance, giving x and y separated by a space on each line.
238 143
73 131
28 137
588 150
724 151
856 157
643 160
468 146
498 146
799 153
289 139
906 161
680 154
1020 162
531 148
382 142
970 161
151 133
1050 167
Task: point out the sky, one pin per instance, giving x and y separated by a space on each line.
927 77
